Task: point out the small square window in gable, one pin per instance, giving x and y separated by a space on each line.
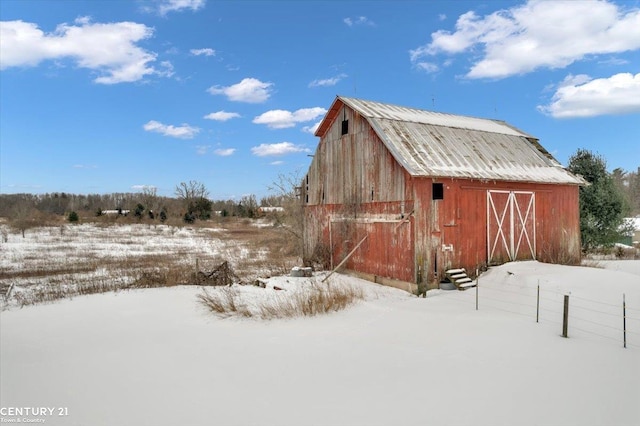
437 191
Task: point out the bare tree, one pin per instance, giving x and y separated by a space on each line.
24 216
150 200
191 191
292 219
195 197
248 206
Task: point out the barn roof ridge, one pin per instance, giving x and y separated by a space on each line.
389 111
430 143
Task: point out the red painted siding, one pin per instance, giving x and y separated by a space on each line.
355 187
452 232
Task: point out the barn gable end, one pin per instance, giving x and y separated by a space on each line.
432 191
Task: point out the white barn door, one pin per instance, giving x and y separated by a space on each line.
511 226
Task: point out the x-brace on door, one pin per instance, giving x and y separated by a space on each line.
511 226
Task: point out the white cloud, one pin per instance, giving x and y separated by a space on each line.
143 187
281 148
221 116
614 61
202 149
167 69
282 119
276 163
250 90
538 34
224 152
203 52
110 49
166 6
312 129
182 132
579 96
442 17
327 81
574 80
429 67
84 166
359 20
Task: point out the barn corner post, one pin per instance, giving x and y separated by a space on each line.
421 264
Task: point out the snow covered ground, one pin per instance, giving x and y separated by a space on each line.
106 256
157 357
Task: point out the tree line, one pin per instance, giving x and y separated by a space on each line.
608 198
190 203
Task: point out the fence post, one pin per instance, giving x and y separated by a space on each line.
624 320
538 303
565 316
477 289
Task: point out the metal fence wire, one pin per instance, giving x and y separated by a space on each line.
590 317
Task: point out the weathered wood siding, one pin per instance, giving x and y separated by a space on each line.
354 187
452 232
353 168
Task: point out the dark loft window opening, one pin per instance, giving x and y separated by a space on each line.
345 127
306 190
437 191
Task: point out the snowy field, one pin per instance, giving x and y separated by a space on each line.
157 357
57 260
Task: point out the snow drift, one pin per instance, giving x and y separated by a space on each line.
157 357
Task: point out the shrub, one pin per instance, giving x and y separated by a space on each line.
73 217
188 218
138 211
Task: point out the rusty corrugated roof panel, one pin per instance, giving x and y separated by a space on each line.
428 143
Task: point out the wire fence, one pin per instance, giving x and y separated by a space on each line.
600 319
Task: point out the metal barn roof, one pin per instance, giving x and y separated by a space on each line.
428 143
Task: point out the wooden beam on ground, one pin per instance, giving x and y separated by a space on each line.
345 259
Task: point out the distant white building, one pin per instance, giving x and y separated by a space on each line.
112 212
266 210
635 224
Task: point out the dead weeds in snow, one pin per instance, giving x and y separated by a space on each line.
52 263
271 304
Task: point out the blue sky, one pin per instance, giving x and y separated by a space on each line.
112 96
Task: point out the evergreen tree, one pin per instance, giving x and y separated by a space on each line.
139 211
634 191
202 208
73 217
602 205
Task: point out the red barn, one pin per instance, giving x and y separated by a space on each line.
413 193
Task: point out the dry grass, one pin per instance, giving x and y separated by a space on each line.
591 263
225 301
311 301
52 263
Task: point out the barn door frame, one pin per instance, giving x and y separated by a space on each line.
519 228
